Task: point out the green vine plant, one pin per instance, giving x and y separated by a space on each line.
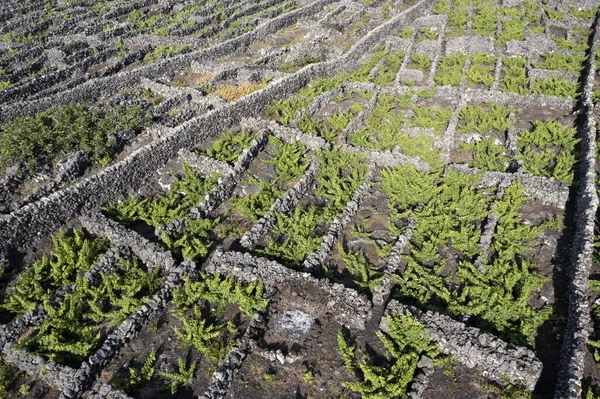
549 150
139 378
195 241
484 119
231 144
481 70
450 69
514 78
339 176
367 277
211 338
185 193
33 142
448 212
73 253
386 73
181 379
286 110
422 62
334 125
487 154
556 86
72 332
562 62
405 342
484 20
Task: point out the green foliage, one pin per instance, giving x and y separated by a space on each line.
487 155
448 212
512 29
549 150
428 34
5 379
297 232
484 120
423 62
484 20
515 78
164 50
406 33
71 332
126 290
586 13
35 141
221 292
458 18
185 193
195 241
441 7
139 378
180 379
553 14
204 337
72 254
288 160
357 265
481 69
308 377
386 73
556 87
404 343
231 144
562 62
5 84
449 71
430 118
566 44
339 174
257 204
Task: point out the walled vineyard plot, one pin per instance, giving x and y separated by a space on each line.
378 199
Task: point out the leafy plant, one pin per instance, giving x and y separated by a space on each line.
481 69
299 63
586 13
441 7
487 155
484 120
185 193
562 62
404 343
139 378
406 33
515 78
229 147
553 14
512 29
204 337
257 204
72 254
357 265
449 71
35 141
163 50
386 73
549 150
423 62
288 160
221 292
484 20
180 379
195 241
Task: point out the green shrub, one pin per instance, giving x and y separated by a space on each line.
515 78
562 62
72 254
288 160
586 13
449 71
386 73
448 212
549 150
553 14
35 141
5 84
441 7
406 33
423 62
231 144
481 69
367 275
180 379
556 86
405 342
487 155
163 50
484 20
185 193
484 120
513 29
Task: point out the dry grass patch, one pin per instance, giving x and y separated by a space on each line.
231 93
